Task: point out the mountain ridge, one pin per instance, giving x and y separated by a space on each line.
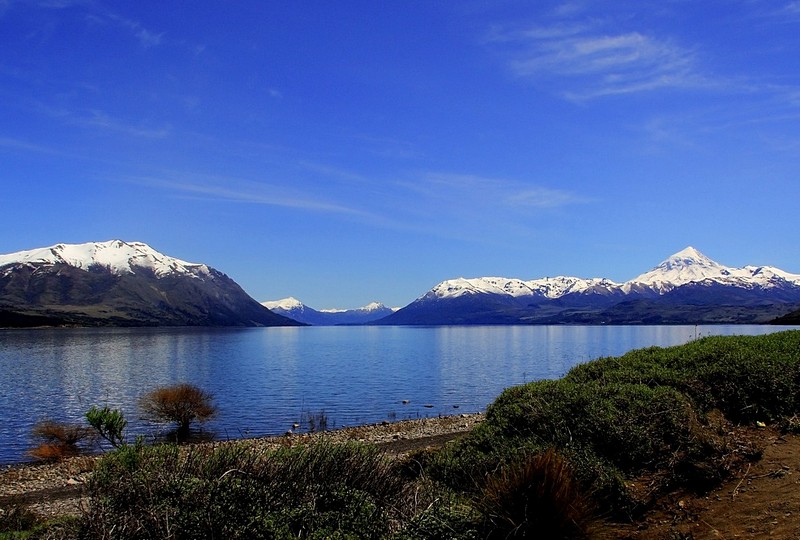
117 283
131 284
687 287
294 309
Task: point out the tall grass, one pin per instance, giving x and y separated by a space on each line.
317 491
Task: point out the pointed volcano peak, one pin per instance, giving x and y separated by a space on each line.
687 257
686 266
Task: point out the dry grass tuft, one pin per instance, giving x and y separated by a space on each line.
537 497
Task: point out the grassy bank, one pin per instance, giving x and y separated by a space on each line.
551 458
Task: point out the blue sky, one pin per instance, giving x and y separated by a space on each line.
349 152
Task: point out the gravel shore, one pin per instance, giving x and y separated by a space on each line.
53 489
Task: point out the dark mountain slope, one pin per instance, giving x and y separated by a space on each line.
59 290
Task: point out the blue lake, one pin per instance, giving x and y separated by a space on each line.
265 379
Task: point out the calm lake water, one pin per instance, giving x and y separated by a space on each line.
265 379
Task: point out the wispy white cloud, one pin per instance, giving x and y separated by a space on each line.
541 197
237 190
146 37
792 7
478 209
25 146
475 192
100 119
465 207
583 60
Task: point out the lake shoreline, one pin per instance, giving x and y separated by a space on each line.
56 489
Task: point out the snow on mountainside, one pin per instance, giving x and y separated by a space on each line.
118 283
551 288
691 266
117 256
295 309
686 288
286 304
369 308
686 266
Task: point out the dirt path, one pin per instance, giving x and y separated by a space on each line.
761 500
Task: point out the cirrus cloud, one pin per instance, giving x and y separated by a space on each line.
582 61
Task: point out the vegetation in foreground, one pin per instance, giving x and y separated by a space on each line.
550 457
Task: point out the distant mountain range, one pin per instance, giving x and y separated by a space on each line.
294 309
686 288
118 283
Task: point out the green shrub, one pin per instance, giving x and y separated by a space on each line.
633 426
447 516
748 378
20 523
643 413
109 424
319 491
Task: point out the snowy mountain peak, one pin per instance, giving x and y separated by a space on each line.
689 257
287 304
686 287
453 288
117 256
295 309
686 266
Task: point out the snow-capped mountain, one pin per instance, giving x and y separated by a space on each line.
687 287
116 256
122 284
691 266
295 309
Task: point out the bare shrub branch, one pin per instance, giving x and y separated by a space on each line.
181 404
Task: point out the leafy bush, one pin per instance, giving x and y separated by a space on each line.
748 378
109 424
181 404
